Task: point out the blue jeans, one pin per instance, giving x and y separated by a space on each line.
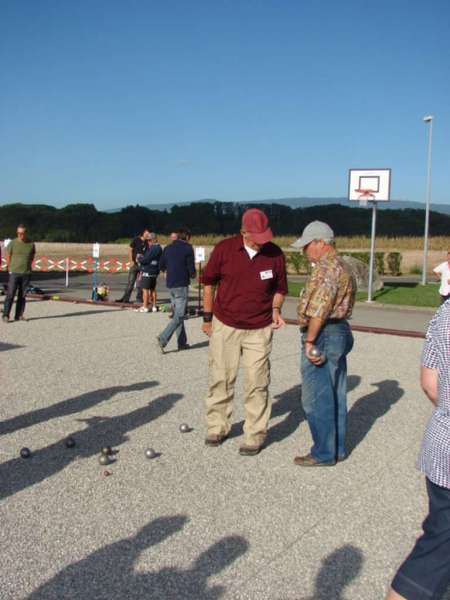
324 392
425 573
179 299
132 276
17 283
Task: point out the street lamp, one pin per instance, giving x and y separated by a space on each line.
427 119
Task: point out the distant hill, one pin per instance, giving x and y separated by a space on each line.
306 202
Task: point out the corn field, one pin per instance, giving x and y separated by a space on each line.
439 243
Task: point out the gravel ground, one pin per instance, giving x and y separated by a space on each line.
196 522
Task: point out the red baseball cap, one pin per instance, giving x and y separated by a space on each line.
256 224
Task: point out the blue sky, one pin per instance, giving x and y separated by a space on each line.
119 102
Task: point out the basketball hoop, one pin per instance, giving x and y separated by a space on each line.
364 197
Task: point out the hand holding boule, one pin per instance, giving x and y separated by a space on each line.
314 355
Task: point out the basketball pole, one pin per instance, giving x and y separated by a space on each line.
372 252
429 120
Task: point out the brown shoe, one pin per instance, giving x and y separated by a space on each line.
246 450
310 461
215 439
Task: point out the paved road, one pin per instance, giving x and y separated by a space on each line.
373 315
197 523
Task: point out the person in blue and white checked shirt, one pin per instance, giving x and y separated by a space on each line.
425 574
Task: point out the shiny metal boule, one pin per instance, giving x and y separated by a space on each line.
184 428
150 453
106 450
103 459
25 453
316 353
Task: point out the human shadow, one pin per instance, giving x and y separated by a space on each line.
70 406
73 314
4 346
110 572
368 409
18 473
338 570
289 404
191 347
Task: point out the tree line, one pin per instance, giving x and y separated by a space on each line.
84 223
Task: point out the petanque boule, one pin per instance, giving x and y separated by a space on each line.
150 453
316 353
184 428
70 442
106 450
103 459
25 453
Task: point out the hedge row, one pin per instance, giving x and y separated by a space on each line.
385 262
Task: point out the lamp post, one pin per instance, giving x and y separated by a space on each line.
427 119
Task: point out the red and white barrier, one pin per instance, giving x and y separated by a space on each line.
45 264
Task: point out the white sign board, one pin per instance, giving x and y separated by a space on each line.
373 185
6 242
96 250
199 254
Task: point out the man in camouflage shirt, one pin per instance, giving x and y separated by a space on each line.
324 306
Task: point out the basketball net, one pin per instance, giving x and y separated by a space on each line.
364 197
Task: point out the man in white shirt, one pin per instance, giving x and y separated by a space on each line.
442 272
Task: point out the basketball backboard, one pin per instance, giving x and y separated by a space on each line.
373 185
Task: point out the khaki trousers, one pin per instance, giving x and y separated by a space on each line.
226 346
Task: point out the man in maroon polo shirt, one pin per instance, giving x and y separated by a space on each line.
244 289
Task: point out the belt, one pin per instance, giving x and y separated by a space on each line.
327 322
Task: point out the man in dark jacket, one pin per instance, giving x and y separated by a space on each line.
149 271
137 246
178 262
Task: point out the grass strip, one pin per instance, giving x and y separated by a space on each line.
400 294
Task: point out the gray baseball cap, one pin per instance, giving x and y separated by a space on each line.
317 230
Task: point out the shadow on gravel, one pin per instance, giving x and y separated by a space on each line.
4 346
109 572
368 409
18 473
192 347
289 404
70 406
338 570
74 314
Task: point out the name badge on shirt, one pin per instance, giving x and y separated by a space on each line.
266 274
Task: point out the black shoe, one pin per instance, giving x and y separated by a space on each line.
246 450
214 440
160 346
119 300
184 347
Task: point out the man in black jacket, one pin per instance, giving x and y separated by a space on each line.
137 246
178 262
